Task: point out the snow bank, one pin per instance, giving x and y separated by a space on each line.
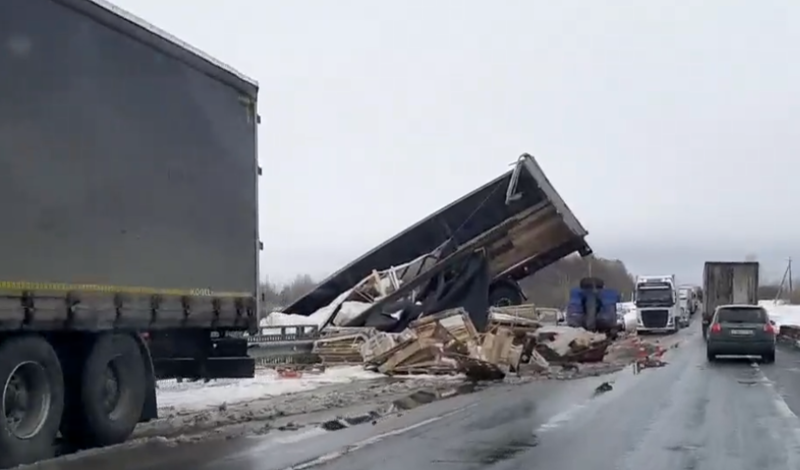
318 318
782 313
346 306
197 396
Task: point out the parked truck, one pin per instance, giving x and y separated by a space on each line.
656 299
689 302
129 187
593 306
518 220
727 283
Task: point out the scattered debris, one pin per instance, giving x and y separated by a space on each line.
515 341
444 343
603 387
789 334
289 373
524 340
342 345
564 344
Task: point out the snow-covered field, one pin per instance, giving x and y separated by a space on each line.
781 313
199 396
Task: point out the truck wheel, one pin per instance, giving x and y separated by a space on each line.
503 295
31 400
110 395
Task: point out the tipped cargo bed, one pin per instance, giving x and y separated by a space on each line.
530 225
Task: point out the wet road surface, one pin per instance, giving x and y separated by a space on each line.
689 415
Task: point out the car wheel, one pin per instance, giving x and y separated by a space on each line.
769 357
711 356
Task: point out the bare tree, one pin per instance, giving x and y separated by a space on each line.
276 296
550 286
298 287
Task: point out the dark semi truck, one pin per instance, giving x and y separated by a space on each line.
128 184
518 222
728 283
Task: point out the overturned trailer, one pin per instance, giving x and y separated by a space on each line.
470 254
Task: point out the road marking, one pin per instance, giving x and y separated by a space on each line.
788 416
300 436
561 418
372 440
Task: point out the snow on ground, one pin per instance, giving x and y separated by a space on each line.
277 321
782 313
198 396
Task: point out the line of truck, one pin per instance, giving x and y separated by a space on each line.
728 283
664 307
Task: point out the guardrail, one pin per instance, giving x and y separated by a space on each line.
276 346
289 344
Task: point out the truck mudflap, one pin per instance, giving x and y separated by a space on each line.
207 369
194 354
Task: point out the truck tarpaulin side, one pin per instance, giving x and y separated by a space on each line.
130 172
726 283
129 253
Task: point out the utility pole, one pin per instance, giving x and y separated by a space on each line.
789 269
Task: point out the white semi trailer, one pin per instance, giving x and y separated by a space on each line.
656 299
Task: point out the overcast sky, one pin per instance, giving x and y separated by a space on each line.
671 131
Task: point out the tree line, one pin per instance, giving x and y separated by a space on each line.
547 288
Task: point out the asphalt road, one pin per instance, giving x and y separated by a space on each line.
688 415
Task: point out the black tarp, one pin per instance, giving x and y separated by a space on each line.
465 285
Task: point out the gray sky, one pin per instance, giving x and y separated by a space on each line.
669 130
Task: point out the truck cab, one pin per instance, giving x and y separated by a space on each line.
657 303
687 301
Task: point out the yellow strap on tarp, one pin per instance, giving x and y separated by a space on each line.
23 286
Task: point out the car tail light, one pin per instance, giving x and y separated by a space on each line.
769 328
716 328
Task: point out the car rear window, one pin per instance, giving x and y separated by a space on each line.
742 315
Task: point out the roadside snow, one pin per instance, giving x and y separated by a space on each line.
197 396
781 313
318 318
